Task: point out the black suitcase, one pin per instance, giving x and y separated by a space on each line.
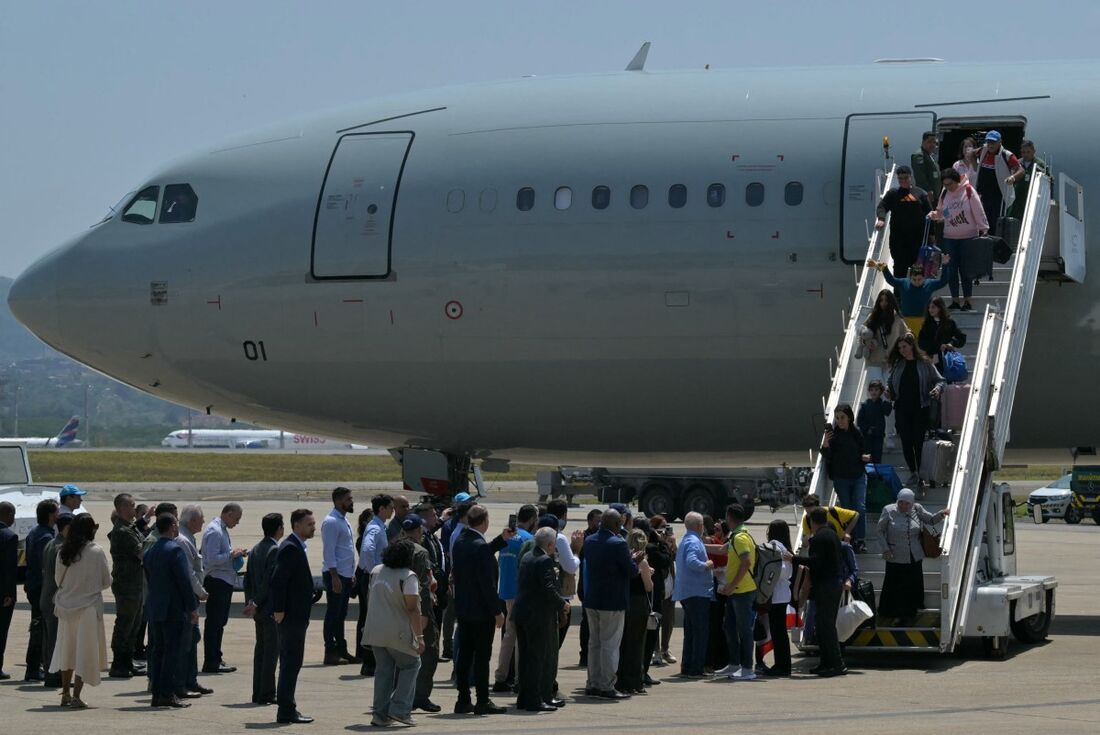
1008 228
977 258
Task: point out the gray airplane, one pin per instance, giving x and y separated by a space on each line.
618 268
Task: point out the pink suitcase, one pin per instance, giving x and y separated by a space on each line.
953 404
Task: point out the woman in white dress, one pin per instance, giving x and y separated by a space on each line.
82 574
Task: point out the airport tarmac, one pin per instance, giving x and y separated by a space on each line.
1052 687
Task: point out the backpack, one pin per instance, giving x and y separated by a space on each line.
767 571
954 367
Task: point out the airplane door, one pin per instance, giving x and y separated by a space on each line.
353 228
864 157
1071 225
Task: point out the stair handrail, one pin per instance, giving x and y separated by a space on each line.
866 292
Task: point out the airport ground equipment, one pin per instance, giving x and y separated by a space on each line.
972 590
17 488
674 493
1085 486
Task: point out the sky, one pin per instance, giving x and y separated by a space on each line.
94 96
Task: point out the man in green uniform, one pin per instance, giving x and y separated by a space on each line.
127 585
926 167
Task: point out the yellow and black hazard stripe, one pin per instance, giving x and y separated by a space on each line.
923 619
897 638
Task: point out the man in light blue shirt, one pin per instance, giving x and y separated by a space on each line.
218 562
370 556
338 568
508 557
694 590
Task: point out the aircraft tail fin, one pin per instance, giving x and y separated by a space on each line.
68 434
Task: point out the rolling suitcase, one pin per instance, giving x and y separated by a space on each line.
937 461
977 258
953 405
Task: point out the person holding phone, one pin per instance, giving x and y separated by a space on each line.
845 461
523 523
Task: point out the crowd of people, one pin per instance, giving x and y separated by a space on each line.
414 567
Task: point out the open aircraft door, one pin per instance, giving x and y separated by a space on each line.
353 229
1071 226
865 157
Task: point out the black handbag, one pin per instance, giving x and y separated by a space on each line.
935 411
865 592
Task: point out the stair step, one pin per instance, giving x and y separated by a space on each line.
928 638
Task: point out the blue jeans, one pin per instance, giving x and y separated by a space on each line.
955 248
852 494
394 682
336 612
739 622
696 632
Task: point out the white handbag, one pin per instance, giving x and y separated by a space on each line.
851 615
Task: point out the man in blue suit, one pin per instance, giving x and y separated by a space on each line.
171 609
291 598
608 569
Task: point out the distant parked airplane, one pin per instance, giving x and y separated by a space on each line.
67 437
252 439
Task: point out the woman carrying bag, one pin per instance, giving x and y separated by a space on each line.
899 530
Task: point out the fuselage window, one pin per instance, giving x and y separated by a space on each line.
677 196
754 194
142 209
639 196
456 200
601 197
180 204
792 194
525 199
563 198
488 200
716 195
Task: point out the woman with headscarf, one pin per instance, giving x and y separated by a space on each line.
899 531
82 574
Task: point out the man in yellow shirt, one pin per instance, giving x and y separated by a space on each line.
842 520
740 591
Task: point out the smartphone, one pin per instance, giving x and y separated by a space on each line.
828 427
512 520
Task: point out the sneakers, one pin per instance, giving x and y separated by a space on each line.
742 675
379 721
727 670
405 720
668 657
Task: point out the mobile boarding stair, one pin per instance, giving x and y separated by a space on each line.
971 590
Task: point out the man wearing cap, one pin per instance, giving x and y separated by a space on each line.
71 498
127 585
219 560
374 543
998 172
338 555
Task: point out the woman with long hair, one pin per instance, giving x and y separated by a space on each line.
667 606
883 328
779 534
967 162
939 333
82 574
362 581
913 383
660 561
846 461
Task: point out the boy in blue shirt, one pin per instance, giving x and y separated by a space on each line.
509 581
914 292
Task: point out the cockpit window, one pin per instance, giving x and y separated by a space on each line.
110 213
180 203
142 209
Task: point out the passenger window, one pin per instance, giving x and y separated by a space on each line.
601 197
716 195
525 199
639 197
456 200
563 198
180 204
754 194
142 209
488 200
792 194
677 196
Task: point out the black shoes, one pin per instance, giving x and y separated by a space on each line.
503 687
218 668
119 673
187 694
201 690
427 706
297 718
464 707
488 708
543 707
829 673
345 655
265 702
611 694
556 703
333 658
34 676
649 681
172 701
4 676
366 671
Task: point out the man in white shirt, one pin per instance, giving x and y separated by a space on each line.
370 556
338 554
191 522
218 561
567 548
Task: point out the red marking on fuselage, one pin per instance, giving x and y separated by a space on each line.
217 301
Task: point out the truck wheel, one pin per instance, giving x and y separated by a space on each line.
700 499
1033 629
657 499
1073 516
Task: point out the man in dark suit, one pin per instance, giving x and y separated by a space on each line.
608 569
9 564
171 608
535 614
478 609
824 561
257 588
291 593
34 545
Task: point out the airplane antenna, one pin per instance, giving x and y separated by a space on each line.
638 62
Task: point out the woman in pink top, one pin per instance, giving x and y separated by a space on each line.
960 210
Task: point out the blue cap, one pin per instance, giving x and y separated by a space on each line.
993 135
548 520
71 490
462 497
411 522
621 509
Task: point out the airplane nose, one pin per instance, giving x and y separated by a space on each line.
33 299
